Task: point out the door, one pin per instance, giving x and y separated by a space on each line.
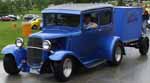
85 44
105 30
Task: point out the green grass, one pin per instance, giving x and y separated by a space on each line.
8 34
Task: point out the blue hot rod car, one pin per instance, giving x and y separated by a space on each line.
85 34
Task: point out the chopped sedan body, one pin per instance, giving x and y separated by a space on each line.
78 35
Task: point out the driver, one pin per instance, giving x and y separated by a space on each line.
88 23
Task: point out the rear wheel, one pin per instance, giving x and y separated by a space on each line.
10 65
117 54
63 69
144 45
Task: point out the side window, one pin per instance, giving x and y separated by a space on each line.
105 18
90 20
94 17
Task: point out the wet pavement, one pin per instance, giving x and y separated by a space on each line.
134 69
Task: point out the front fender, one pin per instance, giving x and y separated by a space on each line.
106 45
18 53
59 55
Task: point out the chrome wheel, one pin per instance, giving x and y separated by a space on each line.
118 54
67 67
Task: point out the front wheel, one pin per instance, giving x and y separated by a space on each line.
117 55
10 65
63 69
144 45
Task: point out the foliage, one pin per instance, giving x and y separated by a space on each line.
121 3
24 6
14 6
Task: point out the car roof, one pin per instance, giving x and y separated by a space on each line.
75 8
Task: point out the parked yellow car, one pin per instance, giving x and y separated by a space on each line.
34 22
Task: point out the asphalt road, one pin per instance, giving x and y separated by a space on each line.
134 69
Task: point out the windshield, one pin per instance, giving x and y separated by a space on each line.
62 20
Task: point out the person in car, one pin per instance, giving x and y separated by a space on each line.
88 22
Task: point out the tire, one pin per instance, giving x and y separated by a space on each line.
10 65
46 67
34 27
117 55
144 46
63 70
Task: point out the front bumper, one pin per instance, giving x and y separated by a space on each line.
45 67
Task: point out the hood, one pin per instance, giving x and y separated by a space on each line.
56 33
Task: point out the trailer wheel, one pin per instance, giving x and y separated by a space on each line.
63 69
144 45
117 54
10 65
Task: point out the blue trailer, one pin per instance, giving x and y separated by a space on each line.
128 23
78 35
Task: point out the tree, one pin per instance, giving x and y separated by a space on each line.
4 8
121 3
14 6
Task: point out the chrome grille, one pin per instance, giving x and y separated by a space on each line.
34 56
35 42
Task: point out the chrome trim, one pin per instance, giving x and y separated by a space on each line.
40 49
35 47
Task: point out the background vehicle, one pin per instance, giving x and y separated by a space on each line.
7 18
60 46
30 16
33 21
13 17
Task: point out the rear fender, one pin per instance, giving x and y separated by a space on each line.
107 44
18 53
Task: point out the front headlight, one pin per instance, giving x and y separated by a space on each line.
47 45
19 42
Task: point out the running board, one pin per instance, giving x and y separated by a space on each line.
97 63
